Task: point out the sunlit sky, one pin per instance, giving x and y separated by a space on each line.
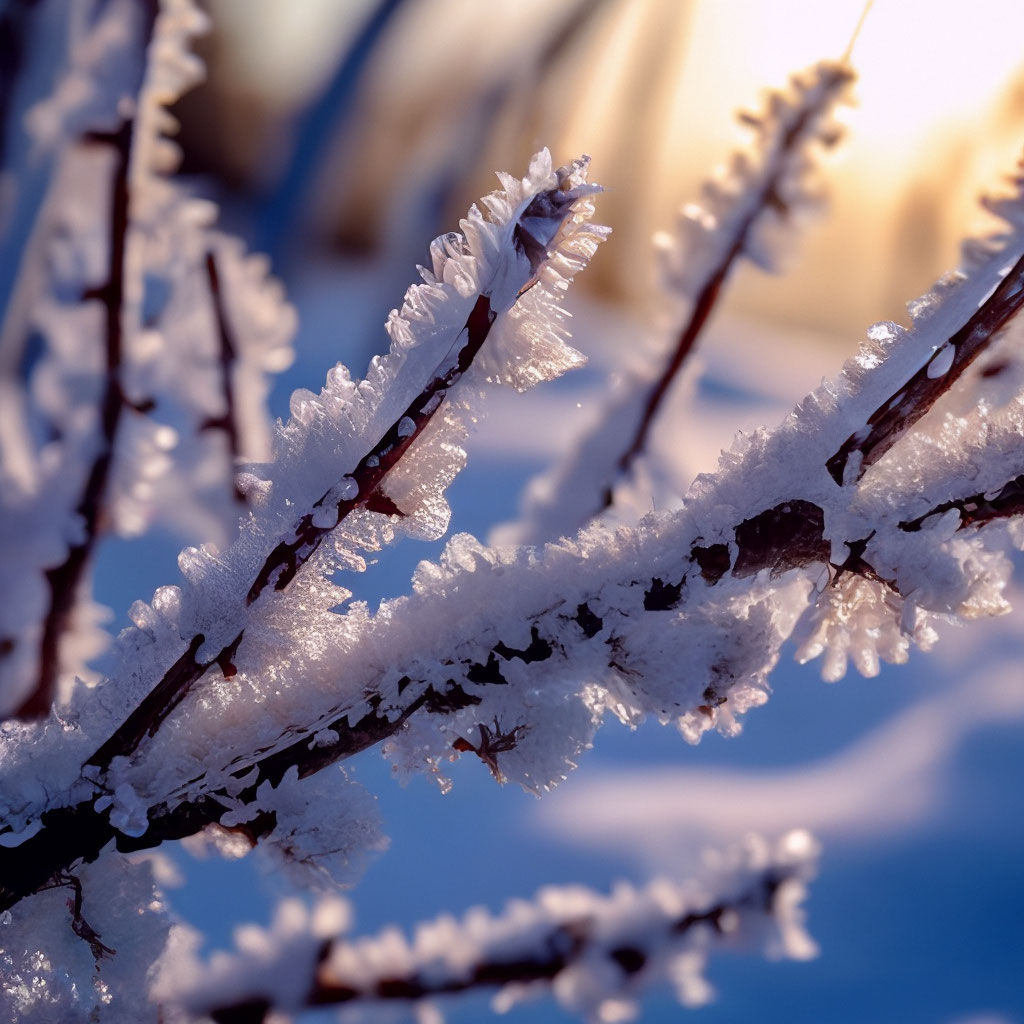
651 93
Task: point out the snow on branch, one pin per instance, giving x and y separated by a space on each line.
349 459
516 655
82 948
683 617
354 465
593 954
885 502
70 289
744 214
65 579
123 388
901 411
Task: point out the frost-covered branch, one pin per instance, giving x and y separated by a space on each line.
231 694
594 954
133 364
741 213
901 411
351 460
737 212
64 580
72 71
682 617
486 272
79 250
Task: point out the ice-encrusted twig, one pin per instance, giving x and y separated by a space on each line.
547 642
98 59
594 954
228 420
724 230
64 580
538 233
953 324
898 413
740 210
116 351
977 509
99 450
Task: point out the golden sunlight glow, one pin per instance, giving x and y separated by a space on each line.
939 118
650 88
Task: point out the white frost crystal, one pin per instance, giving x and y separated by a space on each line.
601 950
746 213
515 263
884 503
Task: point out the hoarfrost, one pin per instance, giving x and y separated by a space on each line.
746 212
91 926
260 610
882 504
121 287
593 953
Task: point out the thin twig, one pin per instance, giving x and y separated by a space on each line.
767 196
550 952
898 413
79 925
227 354
64 579
978 509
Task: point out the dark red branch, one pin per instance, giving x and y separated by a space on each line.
894 417
769 197
70 835
228 354
549 954
65 579
978 509
288 557
705 302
